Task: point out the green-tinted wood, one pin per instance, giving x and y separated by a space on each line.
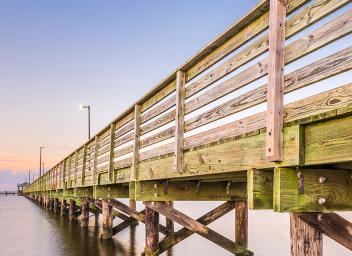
260 189
190 191
322 190
110 191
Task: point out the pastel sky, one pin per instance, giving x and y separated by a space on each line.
57 54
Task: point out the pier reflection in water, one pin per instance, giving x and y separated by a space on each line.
28 229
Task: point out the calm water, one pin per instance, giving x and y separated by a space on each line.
28 229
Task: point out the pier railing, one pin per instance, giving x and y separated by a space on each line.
171 131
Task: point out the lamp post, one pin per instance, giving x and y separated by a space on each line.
40 161
82 107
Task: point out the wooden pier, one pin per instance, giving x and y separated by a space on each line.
178 142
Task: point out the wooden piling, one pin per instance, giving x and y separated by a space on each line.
170 223
63 209
151 232
305 240
56 204
85 213
72 210
241 223
107 220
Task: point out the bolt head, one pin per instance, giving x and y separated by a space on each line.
322 179
321 200
156 185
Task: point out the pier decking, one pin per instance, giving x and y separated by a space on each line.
178 142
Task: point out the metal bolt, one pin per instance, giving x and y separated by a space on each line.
321 200
156 194
322 179
320 217
156 185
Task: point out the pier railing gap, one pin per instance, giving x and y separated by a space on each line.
190 138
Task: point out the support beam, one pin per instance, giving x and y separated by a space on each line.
275 96
56 204
151 232
197 227
133 213
107 220
180 121
206 219
72 210
110 191
312 190
130 222
63 211
169 223
241 224
332 225
85 213
260 189
305 240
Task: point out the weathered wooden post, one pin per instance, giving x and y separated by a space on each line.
305 240
56 204
63 211
107 220
85 213
72 210
241 223
151 232
170 223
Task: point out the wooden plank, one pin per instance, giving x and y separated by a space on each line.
197 227
95 160
234 155
189 191
324 35
111 154
275 89
308 16
332 225
329 142
260 189
107 220
305 240
136 141
180 121
173 239
322 190
110 191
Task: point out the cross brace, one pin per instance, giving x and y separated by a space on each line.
198 226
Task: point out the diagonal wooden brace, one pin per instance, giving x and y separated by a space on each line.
173 239
133 213
125 224
197 227
332 225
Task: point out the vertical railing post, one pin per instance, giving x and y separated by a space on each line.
111 155
63 173
69 181
95 161
179 121
75 168
137 129
84 164
275 96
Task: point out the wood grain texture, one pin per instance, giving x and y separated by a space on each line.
111 153
305 240
336 191
136 142
151 232
260 189
180 121
332 225
275 87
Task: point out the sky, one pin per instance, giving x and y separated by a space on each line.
55 55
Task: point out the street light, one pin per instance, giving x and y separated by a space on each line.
82 107
40 161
